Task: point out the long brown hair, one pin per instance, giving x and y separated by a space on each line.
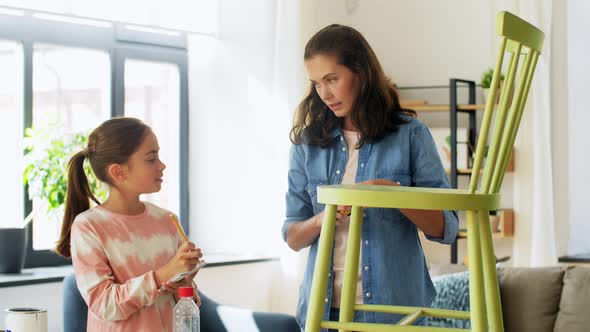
376 111
113 142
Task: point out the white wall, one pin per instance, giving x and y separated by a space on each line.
418 42
578 29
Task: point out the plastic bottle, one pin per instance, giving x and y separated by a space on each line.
187 317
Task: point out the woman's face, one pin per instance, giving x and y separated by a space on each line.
337 86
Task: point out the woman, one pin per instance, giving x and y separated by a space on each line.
350 128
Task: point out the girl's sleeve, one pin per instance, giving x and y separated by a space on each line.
298 203
106 298
428 171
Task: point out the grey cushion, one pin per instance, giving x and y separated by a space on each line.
530 298
574 307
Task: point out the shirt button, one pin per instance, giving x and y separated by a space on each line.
343 149
341 138
338 172
366 242
364 214
329 275
362 165
326 300
367 268
367 294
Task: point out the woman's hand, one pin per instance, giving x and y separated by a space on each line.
342 211
345 210
185 259
430 222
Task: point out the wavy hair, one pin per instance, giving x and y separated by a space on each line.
376 111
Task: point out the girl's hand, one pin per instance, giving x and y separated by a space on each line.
186 258
172 288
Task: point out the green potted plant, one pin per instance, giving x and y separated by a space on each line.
486 82
47 152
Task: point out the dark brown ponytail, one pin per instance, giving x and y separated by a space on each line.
77 200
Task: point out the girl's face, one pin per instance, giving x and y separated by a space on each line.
337 86
144 169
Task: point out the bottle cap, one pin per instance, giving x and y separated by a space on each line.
185 292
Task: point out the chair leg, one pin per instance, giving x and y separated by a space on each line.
492 290
351 266
319 285
476 284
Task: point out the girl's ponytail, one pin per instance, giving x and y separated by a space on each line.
77 200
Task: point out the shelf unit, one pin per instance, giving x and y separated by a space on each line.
506 226
470 109
455 109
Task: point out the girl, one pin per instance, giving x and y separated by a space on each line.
350 128
123 250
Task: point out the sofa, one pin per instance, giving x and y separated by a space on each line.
547 299
214 316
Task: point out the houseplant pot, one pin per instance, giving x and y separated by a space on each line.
486 82
13 249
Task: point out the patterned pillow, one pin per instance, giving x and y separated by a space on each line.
452 293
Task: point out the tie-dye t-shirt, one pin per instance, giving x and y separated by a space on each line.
114 258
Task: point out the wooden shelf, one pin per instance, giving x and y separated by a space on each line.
423 106
469 109
462 171
463 234
506 227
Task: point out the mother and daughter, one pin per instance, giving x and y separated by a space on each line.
349 128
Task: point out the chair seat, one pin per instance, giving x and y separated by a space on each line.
406 197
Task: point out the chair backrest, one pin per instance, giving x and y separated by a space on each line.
517 37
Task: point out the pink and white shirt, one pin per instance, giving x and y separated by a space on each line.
114 258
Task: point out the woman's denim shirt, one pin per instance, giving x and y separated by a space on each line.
393 266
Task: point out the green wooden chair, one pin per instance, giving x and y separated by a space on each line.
517 38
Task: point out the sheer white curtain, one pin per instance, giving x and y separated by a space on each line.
244 85
535 238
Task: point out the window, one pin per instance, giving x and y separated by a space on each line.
11 129
188 15
69 77
71 93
